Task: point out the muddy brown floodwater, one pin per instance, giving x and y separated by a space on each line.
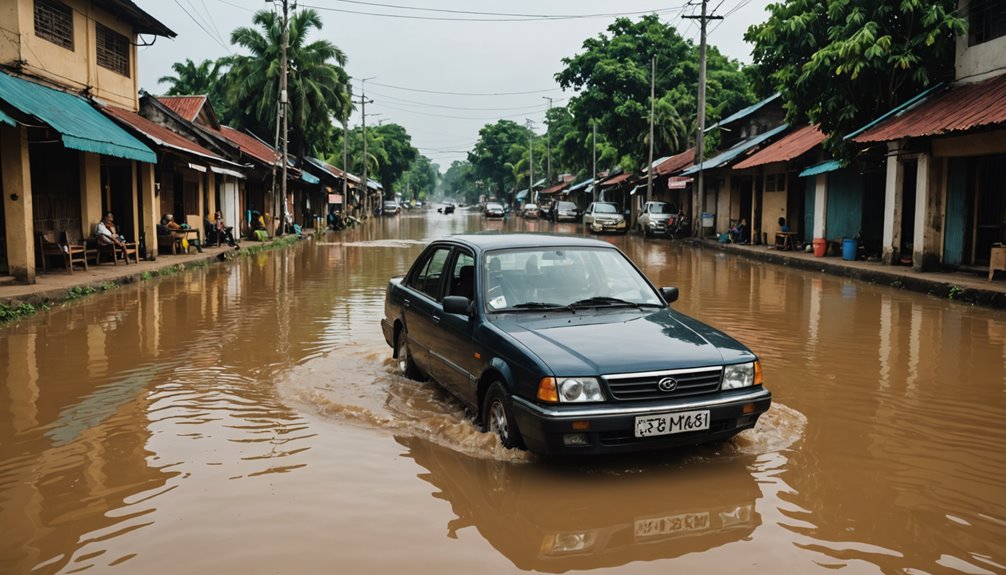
247 418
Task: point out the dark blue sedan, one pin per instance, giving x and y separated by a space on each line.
561 345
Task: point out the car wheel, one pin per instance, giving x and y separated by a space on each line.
497 417
405 363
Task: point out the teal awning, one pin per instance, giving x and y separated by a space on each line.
81 126
734 152
5 119
309 177
823 167
521 195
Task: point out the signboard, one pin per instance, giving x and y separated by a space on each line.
335 198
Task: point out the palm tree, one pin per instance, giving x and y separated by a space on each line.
318 86
204 78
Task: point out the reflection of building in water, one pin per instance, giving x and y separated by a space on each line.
550 519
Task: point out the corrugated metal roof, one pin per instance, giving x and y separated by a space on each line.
309 177
80 125
732 154
158 134
554 189
251 146
740 114
615 180
581 185
960 109
823 167
675 163
143 23
187 107
787 148
332 170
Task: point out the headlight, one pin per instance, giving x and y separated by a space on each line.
741 375
579 390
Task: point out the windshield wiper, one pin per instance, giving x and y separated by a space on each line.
538 305
605 301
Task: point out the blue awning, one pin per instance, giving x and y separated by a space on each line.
81 126
745 112
521 195
735 151
309 177
823 167
580 186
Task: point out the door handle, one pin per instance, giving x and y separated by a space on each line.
436 319
406 304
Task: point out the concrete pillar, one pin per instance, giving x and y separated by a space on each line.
17 203
134 190
892 204
821 206
927 251
151 209
90 192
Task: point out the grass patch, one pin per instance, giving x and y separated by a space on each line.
14 312
109 286
146 276
955 292
77 292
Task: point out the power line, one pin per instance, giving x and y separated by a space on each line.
507 14
465 93
453 117
477 19
428 105
201 27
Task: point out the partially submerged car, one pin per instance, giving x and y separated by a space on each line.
493 210
565 212
391 208
447 208
562 345
604 217
530 211
656 219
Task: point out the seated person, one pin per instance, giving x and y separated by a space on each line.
739 231
168 221
107 234
783 226
221 231
258 231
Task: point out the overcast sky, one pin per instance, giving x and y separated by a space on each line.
409 56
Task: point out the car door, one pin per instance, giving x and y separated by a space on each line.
421 304
453 349
588 216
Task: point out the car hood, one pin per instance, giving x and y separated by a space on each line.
621 341
660 217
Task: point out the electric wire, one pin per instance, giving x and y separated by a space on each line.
422 91
505 14
476 19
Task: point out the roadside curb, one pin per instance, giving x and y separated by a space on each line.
913 281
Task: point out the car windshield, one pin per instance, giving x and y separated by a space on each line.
662 209
605 209
567 206
493 206
530 206
563 278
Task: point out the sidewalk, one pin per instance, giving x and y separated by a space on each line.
54 286
958 286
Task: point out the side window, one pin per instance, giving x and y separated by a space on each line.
463 276
428 280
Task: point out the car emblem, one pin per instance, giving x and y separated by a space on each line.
667 384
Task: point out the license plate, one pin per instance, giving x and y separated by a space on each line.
670 524
668 423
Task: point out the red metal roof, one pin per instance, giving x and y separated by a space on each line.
788 148
251 145
555 188
160 135
615 180
187 107
675 163
962 108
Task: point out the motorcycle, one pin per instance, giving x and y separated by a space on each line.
681 228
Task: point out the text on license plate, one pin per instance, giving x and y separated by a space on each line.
668 423
670 524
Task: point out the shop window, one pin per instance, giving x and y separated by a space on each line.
54 22
112 50
986 21
775 183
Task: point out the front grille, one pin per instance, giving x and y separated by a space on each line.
644 386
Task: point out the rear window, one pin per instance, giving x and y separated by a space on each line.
567 206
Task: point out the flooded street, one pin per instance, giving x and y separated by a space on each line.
248 418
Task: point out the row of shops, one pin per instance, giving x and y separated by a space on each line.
926 187
78 139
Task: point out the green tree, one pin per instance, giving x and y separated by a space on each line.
318 85
420 181
499 144
389 152
612 78
196 79
460 181
842 63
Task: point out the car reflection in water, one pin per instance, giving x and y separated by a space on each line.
554 519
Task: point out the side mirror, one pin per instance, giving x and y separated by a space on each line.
670 294
457 304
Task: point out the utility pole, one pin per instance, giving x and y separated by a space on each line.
345 159
593 144
548 141
284 99
649 171
530 151
700 137
363 115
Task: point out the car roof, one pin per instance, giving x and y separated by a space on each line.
495 241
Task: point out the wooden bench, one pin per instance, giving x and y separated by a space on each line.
785 241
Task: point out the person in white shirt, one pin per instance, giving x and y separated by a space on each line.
107 234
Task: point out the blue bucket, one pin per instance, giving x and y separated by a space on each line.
849 249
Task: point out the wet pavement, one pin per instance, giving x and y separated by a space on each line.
247 417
